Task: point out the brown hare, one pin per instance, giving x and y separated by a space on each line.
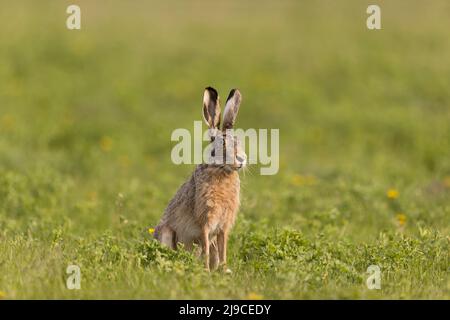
204 208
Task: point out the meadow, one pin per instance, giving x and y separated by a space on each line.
364 117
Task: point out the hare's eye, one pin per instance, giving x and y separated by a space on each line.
239 159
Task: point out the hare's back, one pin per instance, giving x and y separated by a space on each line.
179 214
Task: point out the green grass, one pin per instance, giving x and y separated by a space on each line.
85 124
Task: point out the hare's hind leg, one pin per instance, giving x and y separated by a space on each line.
167 237
205 246
213 255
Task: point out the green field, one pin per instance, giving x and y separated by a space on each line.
364 118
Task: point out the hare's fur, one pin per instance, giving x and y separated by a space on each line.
202 212
204 208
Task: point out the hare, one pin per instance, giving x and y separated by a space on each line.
204 208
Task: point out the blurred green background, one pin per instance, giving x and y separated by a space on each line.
86 118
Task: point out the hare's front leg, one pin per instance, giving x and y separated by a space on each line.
222 243
205 246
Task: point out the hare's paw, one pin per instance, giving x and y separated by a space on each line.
225 269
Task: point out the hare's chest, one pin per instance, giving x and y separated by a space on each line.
219 205
222 213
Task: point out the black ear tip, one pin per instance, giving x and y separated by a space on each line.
212 93
234 92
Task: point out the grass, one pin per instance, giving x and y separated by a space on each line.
85 124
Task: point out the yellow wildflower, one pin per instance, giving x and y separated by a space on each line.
124 161
92 196
302 180
447 182
106 143
401 219
254 296
392 194
7 122
151 231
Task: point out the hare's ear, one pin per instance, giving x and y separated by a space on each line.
231 109
211 108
